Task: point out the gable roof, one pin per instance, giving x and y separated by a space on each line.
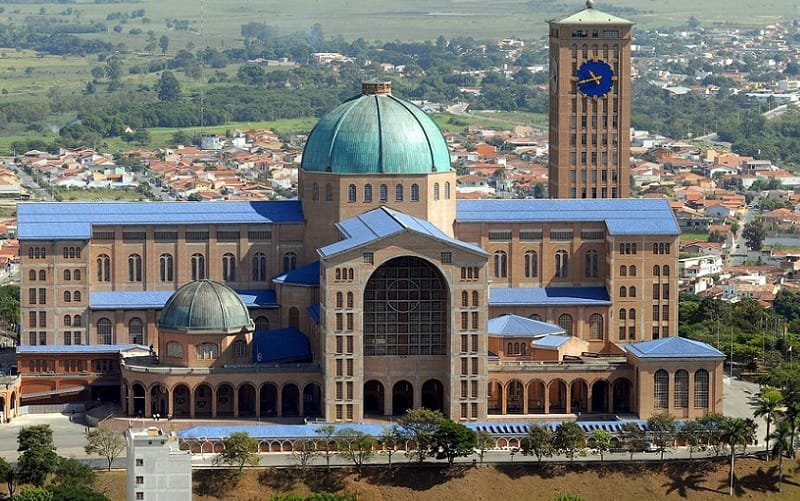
145 300
551 342
673 347
74 220
540 296
384 222
515 325
622 216
592 16
305 275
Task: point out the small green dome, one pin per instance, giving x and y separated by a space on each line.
376 133
204 306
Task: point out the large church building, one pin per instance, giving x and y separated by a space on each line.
374 292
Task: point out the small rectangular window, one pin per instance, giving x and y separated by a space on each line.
349 367
530 235
139 480
102 235
499 235
139 495
255 236
139 462
134 236
196 236
228 236
447 257
165 236
368 258
561 235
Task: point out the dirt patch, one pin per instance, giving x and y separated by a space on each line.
699 480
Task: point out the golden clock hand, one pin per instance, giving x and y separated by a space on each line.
595 77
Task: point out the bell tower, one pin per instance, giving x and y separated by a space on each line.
590 105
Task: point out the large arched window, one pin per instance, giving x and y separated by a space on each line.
166 268
67 297
350 299
531 264
103 268
661 389
447 190
315 192
207 351
42 275
340 300
198 266
105 333
681 389
562 264
289 262
415 192
405 295
632 270
384 193
632 291
77 321
565 322
595 326
32 275
328 193
701 389
67 275
259 267
368 193
500 264
239 349
436 191
351 193
398 192
174 349
534 316
665 270
67 321
76 296
656 270
134 268
623 271
136 331
229 267
592 264
623 291
262 323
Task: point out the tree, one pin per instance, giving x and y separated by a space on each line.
602 442
105 442
419 426
735 432
240 449
8 475
113 69
781 444
304 451
390 438
569 438
754 234
38 458
71 472
75 493
355 445
662 428
692 434
539 442
168 88
768 406
484 441
326 432
634 437
452 440
34 494
163 43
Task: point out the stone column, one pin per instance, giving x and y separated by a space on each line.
170 410
235 402
213 402
148 404
279 402
546 398
610 401
191 403
387 401
525 399
589 398
568 403
504 401
258 403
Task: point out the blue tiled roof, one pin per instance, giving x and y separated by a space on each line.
281 345
306 275
112 300
80 348
622 216
74 220
313 312
515 325
551 296
384 222
517 428
551 341
673 347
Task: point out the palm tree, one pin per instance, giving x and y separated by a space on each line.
781 444
768 406
734 432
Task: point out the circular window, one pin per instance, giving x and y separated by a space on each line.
403 295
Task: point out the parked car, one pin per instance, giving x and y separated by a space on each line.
650 447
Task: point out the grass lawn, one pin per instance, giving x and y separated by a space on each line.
99 194
698 480
695 236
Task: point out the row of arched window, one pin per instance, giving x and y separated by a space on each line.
72 296
383 192
340 300
72 275
344 274
37 253
72 253
73 321
531 264
680 393
661 248
166 267
465 296
470 273
627 271
105 331
627 291
565 322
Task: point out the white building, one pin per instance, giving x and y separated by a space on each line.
157 468
700 266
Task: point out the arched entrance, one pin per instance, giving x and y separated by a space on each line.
202 400
269 400
600 396
622 395
3 416
138 400
373 397
495 398
402 397
514 392
247 400
433 395
579 396
312 395
159 397
557 395
290 400
225 400
536 397
180 401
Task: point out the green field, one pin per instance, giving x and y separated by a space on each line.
694 236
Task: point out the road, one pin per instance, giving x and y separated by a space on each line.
27 181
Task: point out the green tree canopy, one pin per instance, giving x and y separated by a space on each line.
38 458
569 439
105 442
420 425
355 445
168 88
754 234
452 440
662 428
240 449
538 442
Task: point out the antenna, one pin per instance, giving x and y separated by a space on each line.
202 73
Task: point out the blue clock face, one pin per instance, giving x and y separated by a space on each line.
595 78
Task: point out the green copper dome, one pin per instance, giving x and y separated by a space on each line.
376 133
204 306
